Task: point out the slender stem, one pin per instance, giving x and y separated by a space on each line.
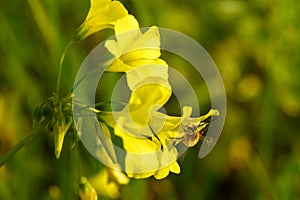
28 138
77 159
62 58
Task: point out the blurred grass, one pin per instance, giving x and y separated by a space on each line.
255 45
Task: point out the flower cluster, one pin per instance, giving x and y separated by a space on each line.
148 135
152 141
56 115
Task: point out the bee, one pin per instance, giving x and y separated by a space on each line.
193 133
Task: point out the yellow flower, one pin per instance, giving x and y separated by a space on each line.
136 53
107 182
148 155
86 191
102 14
145 156
147 135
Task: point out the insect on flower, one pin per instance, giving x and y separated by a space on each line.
191 133
194 133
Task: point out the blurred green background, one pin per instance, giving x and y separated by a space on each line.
255 45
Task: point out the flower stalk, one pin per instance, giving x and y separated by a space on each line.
62 58
27 139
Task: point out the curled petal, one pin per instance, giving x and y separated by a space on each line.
131 47
149 95
102 14
143 69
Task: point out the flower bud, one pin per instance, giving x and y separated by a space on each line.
60 131
86 191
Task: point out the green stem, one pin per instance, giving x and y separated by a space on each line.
77 160
62 58
28 138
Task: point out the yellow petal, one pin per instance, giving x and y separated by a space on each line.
140 160
146 46
139 175
127 23
167 158
113 47
131 45
170 122
211 112
103 147
175 168
134 143
118 65
141 166
143 69
162 173
127 32
118 176
102 14
148 97
142 46
103 186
